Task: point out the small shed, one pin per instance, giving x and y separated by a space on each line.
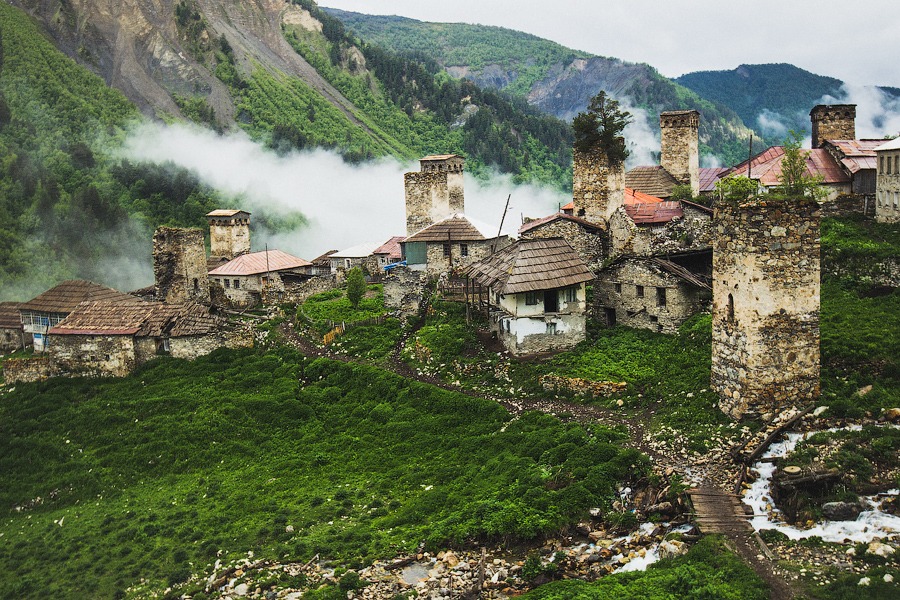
12 334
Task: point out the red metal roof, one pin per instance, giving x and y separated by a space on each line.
569 206
260 262
654 212
636 197
766 166
440 157
709 176
391 247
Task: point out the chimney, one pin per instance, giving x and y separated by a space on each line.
832 122
680 146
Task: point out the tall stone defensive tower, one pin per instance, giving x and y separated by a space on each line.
435 192
179 265
229 233
832 122
680 146
765 332
598 188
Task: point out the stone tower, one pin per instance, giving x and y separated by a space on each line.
229 233
598 189
680 146
179 265
833 122
435 192
765 332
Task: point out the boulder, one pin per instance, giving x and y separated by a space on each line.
672 549
880 549
841 511
892 414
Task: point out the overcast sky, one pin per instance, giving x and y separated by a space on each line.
857 42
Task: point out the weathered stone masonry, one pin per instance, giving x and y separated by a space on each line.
766 271
433 193
179 265
598 189
680 146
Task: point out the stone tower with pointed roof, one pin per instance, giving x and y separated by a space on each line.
833 122
229 233
435 192
680 146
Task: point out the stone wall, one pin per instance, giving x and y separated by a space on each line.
766 272
833 122
589 246
848 204
24 370
93 355
638 294
887 187
431 197
597 188
404 290
437 263
229 237
179 265
693 231
531 335
12 339
581 387
680 146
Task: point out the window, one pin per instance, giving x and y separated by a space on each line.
640 291
446 249
196 284
654 319
551 328
464 249
897 163
218 280
571 294
531 298
888 172
882 164
227 283
660 296
730 308
618 288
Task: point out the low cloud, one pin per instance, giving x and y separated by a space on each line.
344 204
642 139
877 112
771 123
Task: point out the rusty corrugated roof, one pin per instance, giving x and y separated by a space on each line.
9 315
709 176
391 247
260 262
63 298
655 181
531 265
538 222
654 212
440 157
766 166
636 197
569 206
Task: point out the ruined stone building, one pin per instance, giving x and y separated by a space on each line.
536 292
179 265
645 225
12 333
244 278
650 292
435 192
597 186
321 265
453 242
360 255
766 273
229 235
887 203
586 238
404 290
45 311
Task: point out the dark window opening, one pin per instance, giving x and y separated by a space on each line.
196 284
464 249
551 301
531 298
237 283
660 296
654 319
730 308
610 316
640 291
618 287
227 283
446 249
580 212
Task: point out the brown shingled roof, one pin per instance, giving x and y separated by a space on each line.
456 227
148 319
9 315
655 181
67 295
531 265
543 221
324 260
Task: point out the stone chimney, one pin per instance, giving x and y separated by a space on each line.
435 192
680 146
179 265
833 122
598 189
229 233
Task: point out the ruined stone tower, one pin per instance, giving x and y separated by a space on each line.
598 189
680 146
435 192
833 122
179 265
229 233
765 347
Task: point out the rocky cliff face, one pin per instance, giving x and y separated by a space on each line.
135 45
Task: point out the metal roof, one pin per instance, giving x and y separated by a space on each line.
560 215
63 298
224 212
358 251
893 144
766 166
710 176
260 262
531 265
654 212
391 247
440 157
636 197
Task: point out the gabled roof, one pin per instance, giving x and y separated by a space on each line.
856 154
391 247
457 227
654 212
148 319
64 297
655 181
358 251
225 212
766 166
543 221
9 315
710 175
324 260
531 265
260 262
636 197
665 265
440 157
893 144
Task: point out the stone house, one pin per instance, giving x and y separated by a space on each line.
887 202
453 242
12 334
679 157
765 168
110 340
388 253
244 278
321 265
45 311
649 292
647 225
356 256
229 234
588 239
536 294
